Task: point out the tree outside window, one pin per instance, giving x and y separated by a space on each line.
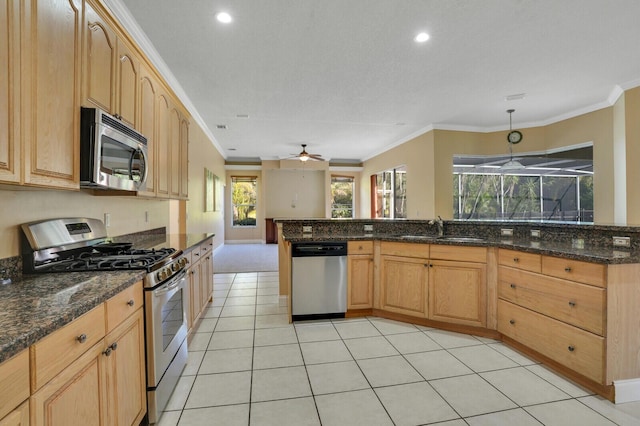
342 196
243 200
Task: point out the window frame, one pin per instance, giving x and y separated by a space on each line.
352 180
238 179
392 192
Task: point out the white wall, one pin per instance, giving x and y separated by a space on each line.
295 193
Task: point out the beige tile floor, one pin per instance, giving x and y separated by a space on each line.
249 366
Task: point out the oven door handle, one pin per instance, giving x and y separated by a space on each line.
166 288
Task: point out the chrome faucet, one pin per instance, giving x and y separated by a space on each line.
439 224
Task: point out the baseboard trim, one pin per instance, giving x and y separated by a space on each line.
244 241
627 390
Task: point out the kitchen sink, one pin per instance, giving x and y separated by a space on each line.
462 239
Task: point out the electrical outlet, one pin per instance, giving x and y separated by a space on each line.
621 242
307 229
146 217
368 228
535 233
506 232
577 243
107 220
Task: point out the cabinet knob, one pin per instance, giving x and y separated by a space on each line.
567 269
114 346
572 303
512 285
516 260
131 303
81 338
512 322
107 352
571 348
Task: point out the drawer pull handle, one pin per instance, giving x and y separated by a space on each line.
81 338
131 303
572 304
567 269
512 285
512 322
515 259
359 247
571 348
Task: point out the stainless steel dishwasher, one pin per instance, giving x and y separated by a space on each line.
318 280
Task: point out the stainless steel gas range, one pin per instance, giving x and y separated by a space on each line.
81 244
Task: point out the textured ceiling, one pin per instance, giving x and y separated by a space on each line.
346 77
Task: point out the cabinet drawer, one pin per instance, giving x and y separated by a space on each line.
123 304
572 347
458 253
14 376
575 270
521 260
52 354
577 304
405 249
360 247
205 248
195 254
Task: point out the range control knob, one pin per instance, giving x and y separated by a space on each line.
183 261
162 275
175 266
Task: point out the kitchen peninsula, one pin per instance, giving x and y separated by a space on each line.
561 293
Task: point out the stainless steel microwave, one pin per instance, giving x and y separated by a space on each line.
112 154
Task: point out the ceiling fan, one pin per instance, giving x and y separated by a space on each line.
304 155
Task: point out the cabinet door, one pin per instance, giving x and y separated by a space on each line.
148 89
403 285
18 417
206 280
195 293
9 91
125 372
127 86
174 153
98 73
184 158
51 72
162 138
359 281
458 292
75 396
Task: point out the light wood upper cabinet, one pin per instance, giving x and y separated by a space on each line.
128 75
51 68
99 61
174 152
163 137
147 123
184 158
9 91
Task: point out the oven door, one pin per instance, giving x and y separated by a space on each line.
166 326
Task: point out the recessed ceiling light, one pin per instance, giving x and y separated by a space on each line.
421 37
224 17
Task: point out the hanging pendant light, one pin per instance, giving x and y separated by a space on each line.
513 138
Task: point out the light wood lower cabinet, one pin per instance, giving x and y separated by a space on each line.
200 280
360 275
457 292
18 417
403 285
14 377
103 384
577 349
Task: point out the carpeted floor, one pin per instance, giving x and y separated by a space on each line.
246 258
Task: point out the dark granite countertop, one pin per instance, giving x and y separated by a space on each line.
596 254
35 305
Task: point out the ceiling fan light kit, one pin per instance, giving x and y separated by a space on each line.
305 156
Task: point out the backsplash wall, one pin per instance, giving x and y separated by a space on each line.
127 213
